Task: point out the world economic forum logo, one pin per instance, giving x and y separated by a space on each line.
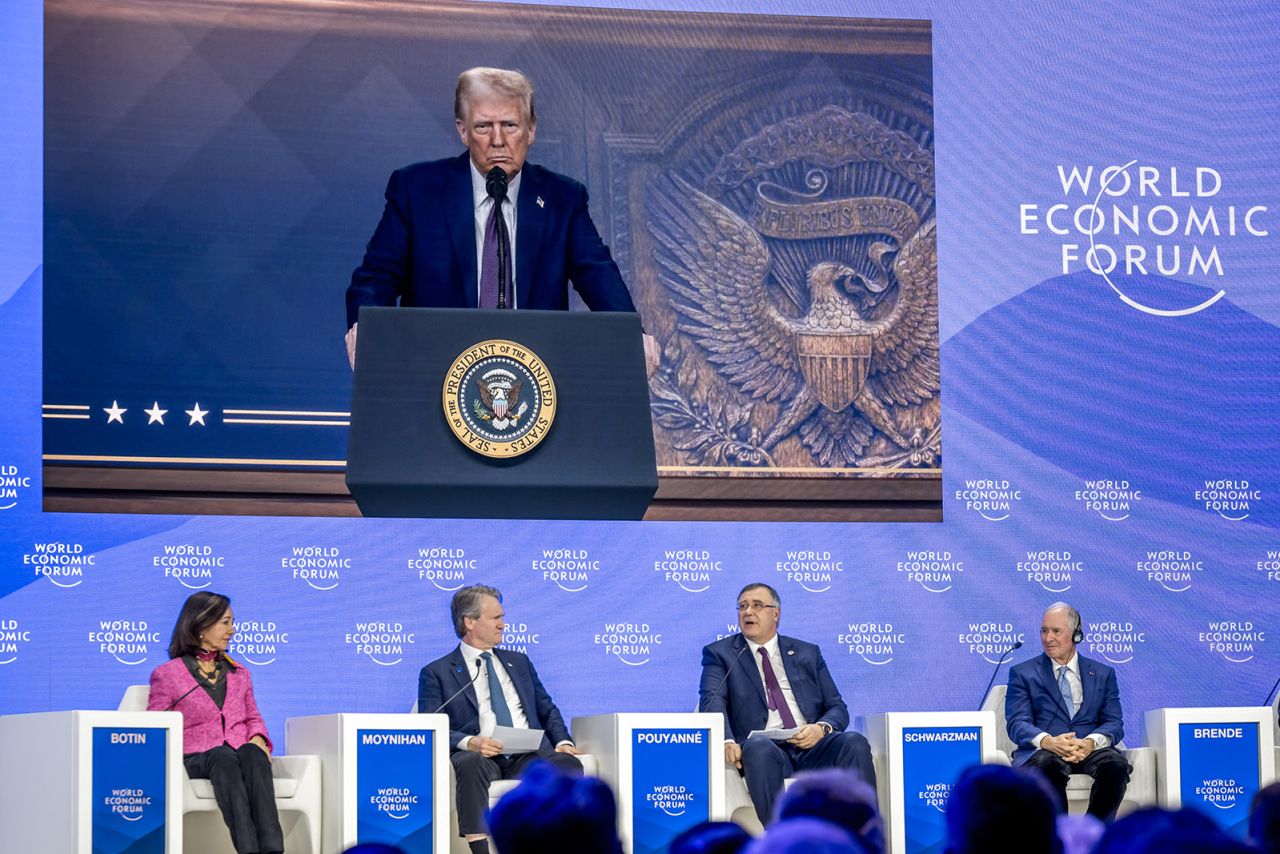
12 484
1116 641
1113 500
992 499
630 643
12 638
1230 499
1235 640
689 569
810 569
518 637
874 643
1052 569
935 571
1141 219
990 640
1172 569
446 568
259 642
320 567
127 641
1221 792
190 565
382 643
63 564
1270 565
567 568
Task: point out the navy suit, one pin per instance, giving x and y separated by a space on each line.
423 252
1034 704
444 677
740 697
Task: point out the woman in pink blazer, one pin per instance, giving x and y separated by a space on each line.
224 739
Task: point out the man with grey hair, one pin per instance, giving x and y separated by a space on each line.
437 242
482 687
765 682
1063 712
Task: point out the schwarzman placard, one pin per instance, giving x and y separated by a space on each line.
499 399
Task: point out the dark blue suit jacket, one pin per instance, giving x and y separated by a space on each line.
440 679
741 698
1034 704
423 252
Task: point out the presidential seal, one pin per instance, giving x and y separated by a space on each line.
499 399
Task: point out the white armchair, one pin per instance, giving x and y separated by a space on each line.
1142 781
297 784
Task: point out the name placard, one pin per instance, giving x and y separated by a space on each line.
128 791
671 785
394 798
932 759
1220 771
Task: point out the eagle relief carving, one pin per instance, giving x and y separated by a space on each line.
804 281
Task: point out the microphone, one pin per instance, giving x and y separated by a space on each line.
169 708
479 667
495 184
1276 684
716 693
992 680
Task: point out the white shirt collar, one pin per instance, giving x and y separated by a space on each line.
470 653
770 646
1073 665
480 194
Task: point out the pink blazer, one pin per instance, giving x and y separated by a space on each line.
204 726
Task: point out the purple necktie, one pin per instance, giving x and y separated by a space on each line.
774 691
489 263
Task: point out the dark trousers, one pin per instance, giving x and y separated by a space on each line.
246 795
1108 768
767 763
475 772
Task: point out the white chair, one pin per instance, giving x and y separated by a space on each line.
1142 781
297 783
497 789
1275 716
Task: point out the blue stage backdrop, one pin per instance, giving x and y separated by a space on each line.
1112 433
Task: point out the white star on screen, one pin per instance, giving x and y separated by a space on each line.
115 413
155 415
197 415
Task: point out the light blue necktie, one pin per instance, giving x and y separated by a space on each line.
497 699
1065 687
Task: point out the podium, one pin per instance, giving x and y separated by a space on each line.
386 778
923 754
574 380
667 771
91 781
1213 759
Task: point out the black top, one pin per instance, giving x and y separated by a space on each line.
217 689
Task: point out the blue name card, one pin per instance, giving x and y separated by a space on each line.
394 798
1220 771
932 759
671 785
128 790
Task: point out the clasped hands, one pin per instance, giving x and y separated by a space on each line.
1068 746
492 747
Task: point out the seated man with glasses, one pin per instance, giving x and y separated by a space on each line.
760 680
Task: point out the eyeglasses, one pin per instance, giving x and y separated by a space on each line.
754 606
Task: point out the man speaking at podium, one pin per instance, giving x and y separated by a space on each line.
1063 712
761 680
440 243
480 688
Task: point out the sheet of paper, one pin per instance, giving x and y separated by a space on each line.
517 740
776 734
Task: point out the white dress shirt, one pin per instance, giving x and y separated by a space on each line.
775 658
484 204
481 685
1077 698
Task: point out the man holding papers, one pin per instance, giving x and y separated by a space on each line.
494 700
782 711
